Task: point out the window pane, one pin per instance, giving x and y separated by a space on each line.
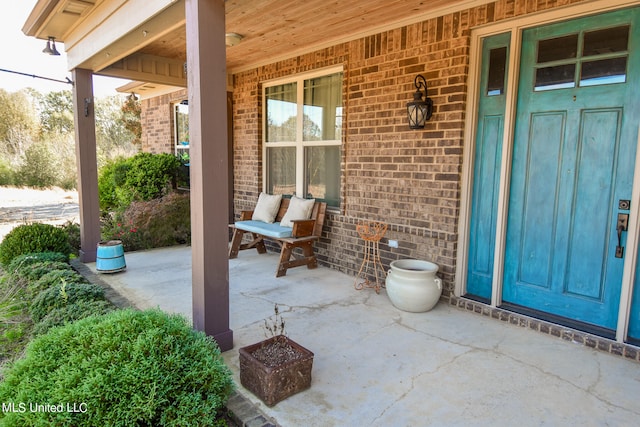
557 48
605 41
281 113
604 72
497 70
182 124
181 129
282 170
323 174
322 119
558 77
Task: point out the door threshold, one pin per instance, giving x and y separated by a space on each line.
559 320
477 298
628 350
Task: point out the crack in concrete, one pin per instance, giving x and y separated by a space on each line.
590 390
415 377
496 350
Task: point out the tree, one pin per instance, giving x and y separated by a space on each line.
56 113
113 137
18 123
130 113
37 141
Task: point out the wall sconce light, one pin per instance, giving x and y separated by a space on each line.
51 47
419 111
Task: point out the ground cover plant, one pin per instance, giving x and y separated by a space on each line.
128 368
61 295
54 278
15 324
21 283
32 258
71 312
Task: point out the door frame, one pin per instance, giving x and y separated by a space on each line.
516 26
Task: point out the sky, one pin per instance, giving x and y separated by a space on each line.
24 54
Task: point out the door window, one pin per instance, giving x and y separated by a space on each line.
588 58
497 71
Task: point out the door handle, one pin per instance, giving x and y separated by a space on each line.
623 224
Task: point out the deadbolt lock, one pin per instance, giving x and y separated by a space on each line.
624 205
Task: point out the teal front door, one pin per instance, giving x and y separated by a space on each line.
573 162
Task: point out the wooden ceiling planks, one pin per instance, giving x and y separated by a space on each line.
277 29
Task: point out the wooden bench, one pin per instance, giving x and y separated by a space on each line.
303 234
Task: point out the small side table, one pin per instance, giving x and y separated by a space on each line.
371 232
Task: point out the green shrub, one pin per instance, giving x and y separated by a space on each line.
155 223
117 227
127 368
106 187
72 230
111 177
144 176
30 238
54 278
152 175
62 295
72 312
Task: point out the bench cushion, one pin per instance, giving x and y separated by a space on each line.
274 230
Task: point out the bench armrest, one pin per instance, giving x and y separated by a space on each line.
303 227
246 215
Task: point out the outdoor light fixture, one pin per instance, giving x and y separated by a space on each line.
419 111
51 47
232 39
132 97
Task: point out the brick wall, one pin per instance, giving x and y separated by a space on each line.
247 135
157 122
409 179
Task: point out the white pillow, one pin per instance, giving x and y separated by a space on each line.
267 207
298 209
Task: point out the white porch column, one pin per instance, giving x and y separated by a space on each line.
85 134
206 83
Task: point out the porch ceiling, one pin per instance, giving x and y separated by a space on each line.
271 29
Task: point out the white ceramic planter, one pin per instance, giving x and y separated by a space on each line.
412 285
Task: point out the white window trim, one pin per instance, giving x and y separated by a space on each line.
299 143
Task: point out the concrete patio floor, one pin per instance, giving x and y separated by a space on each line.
375 365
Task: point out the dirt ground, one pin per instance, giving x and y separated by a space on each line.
24 205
